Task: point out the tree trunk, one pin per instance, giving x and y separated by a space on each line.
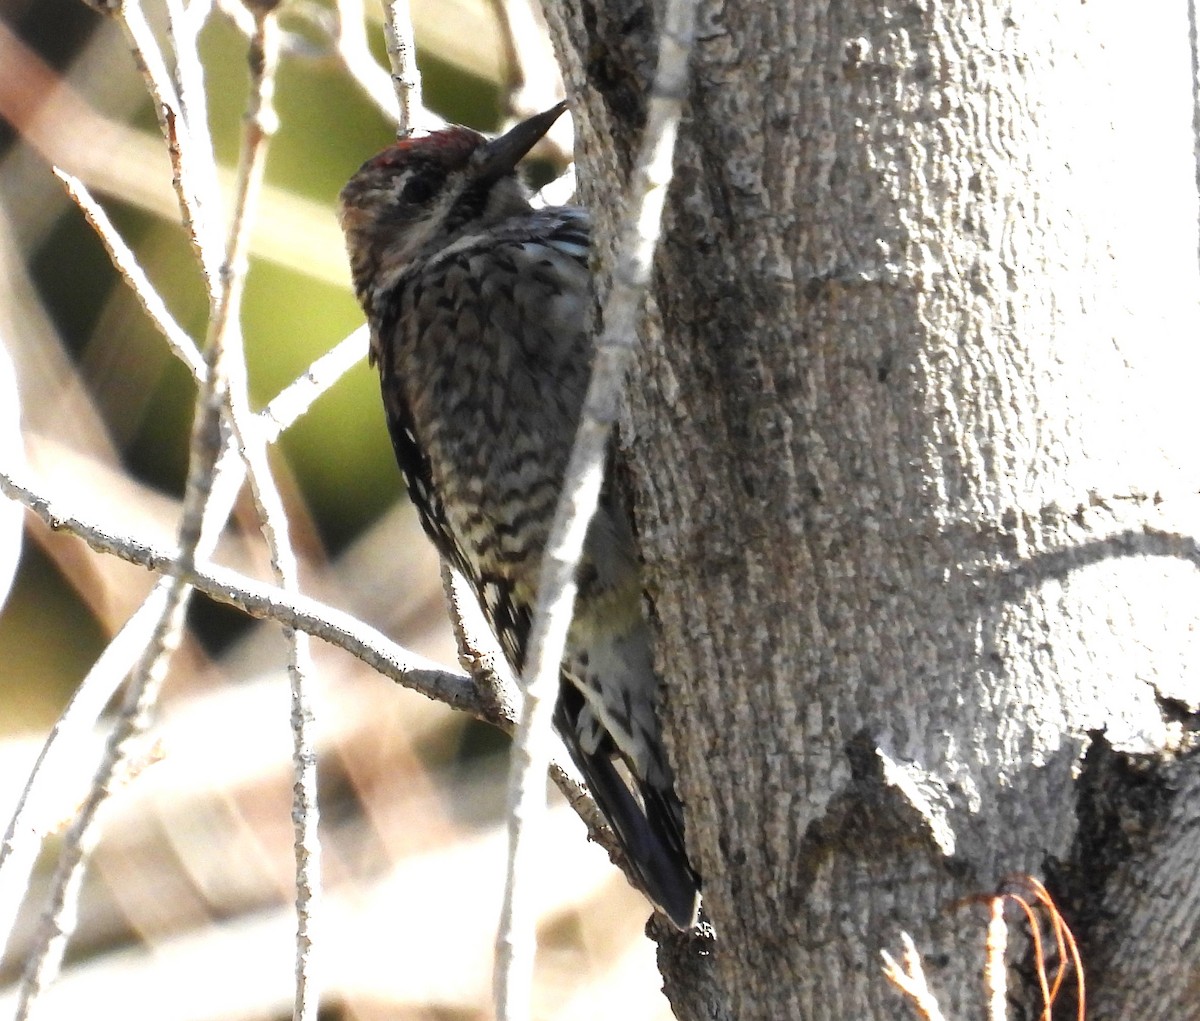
911 435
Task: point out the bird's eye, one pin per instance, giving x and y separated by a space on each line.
418 190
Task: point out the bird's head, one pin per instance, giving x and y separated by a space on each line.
419 194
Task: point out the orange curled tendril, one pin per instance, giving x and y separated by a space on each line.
1033 898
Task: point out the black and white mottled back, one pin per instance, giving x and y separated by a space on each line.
477 305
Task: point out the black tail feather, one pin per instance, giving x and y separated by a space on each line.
650 833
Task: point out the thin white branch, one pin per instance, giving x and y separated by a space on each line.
183 32
290 403
189 177
146 51
59 917
516 942
238 14
261 122
995 971
910 979
208 439
141 695
222 411
478 652
24 834
197 13
22 840
31 820
181 345
297 397
12 519
268 602
402 52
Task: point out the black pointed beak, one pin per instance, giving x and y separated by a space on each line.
501 155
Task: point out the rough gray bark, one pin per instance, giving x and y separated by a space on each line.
913 458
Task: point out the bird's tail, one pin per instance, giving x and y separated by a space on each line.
650 832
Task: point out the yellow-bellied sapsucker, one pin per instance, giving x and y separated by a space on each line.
477 305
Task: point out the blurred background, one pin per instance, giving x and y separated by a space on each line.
186 910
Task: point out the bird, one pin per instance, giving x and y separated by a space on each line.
477 304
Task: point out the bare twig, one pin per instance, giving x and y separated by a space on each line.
181 345
142 689
402 52
12 520
267 602
478 652
58 919
261 122
238 14
995 971
297 397
19 848
26 830
291 402
20 845
208 438
198 523
183 32
190 176
516 941
910 979
141 695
